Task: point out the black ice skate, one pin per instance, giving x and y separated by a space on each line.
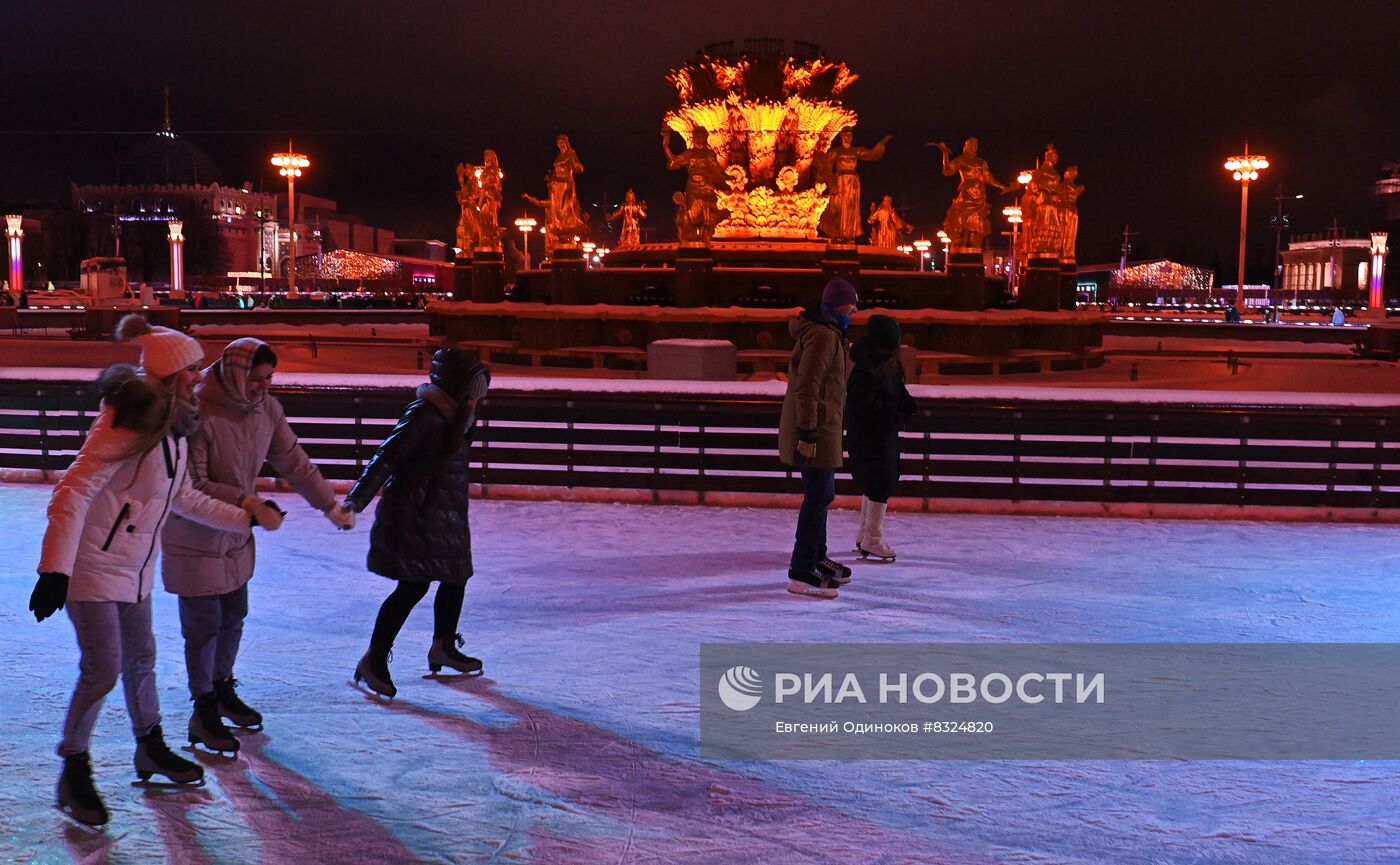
154 757
207 728
839 573
76 796
444 654
373 670
233 708
813 582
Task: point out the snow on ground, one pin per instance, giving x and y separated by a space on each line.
580 743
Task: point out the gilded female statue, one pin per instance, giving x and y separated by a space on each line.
632 212
888 225
563 197
1068 193
841 219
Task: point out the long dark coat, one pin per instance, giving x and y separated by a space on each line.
877 406
420 529
816 390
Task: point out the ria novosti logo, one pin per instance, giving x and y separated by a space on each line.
740 688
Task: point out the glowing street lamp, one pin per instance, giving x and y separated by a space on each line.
526 225
1245 168
944 239
1013 216
907 250
289 165
588 247
922 246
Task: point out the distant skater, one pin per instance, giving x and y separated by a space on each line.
809 432
421 534
99 551
877 406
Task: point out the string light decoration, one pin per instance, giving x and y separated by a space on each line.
347 264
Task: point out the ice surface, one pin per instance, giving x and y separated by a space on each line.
580 744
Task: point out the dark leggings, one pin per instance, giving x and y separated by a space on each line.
447 609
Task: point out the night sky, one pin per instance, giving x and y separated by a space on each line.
386 97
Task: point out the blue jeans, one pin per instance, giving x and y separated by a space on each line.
213 629
818 491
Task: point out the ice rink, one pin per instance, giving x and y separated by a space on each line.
580 743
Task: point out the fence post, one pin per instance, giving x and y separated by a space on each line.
569 445
1243 464
700 454
1108 458
1380 461
1016 456
1155 420
1336 446
659 410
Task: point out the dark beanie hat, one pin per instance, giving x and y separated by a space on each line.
883 332
838 292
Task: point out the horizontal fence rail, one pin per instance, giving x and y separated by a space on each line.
1009 450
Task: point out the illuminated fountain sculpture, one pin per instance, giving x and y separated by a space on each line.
767 115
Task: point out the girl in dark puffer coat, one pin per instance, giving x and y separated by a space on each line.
420 532
877 407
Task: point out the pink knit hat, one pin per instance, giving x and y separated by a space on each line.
164 351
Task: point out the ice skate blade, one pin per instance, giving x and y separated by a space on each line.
80 822
151 782
370 692
452 676
797 587
208 750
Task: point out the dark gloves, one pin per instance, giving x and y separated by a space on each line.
49 595
807 434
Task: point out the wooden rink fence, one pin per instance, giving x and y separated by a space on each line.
987 450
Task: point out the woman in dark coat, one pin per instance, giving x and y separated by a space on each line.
877 406
420 532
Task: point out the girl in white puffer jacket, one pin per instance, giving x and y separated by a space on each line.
99 552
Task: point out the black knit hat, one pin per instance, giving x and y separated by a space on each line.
883 332
459 373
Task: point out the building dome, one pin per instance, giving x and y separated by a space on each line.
166 158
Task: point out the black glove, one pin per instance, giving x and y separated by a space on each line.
49 595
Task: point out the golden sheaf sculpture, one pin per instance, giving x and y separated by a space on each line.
767 115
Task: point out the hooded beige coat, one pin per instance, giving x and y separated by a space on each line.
236 436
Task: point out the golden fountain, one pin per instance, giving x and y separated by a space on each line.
768 114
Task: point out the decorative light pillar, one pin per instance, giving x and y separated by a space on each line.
1245 168
289 165
177 256
14 230
944 239
1378 250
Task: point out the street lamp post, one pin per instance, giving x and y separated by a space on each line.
1013 275
289 165
944 239
1245 168
526 225
922 246
588 247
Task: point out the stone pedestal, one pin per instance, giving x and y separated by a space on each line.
967 282
462 276
841 260
692 359
1069 284
566 267
488 276
1040 290
693 268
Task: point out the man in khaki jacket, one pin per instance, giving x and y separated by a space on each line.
809 433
